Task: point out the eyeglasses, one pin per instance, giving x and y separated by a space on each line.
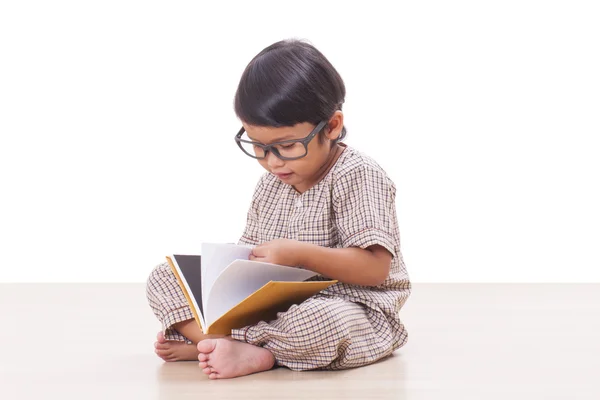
285 150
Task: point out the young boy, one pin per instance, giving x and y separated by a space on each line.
322 206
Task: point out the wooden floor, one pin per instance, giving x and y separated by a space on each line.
466 341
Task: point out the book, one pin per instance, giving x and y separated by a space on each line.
225 290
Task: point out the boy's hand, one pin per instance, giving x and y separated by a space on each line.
280 251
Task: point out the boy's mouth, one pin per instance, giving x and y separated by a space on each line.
283 176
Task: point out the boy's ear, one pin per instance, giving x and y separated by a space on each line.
334 128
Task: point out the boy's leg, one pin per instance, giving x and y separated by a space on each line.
327 333
190 330
321 333
168 302
180 332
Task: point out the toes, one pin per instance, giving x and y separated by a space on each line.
207 345
203 365
213 375
168 356
202 357
161 337
164 353
162 346
207 370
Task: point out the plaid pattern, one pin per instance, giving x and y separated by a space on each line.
326 332
345 325
167 301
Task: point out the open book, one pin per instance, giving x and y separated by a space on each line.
227 291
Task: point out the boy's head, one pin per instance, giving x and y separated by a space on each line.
290 91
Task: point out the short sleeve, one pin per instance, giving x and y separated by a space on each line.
364 208
251 232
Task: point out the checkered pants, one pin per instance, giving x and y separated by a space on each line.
324 332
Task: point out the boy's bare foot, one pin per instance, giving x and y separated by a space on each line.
228 358
174 351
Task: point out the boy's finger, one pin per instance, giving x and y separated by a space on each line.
255 258
258 251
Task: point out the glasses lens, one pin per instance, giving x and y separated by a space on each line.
252 150
291 150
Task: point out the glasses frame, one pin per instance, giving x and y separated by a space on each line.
271 147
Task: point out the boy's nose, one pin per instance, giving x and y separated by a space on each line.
273 161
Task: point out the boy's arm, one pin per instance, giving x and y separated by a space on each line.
353 265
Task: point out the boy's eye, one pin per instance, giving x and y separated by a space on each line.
287 146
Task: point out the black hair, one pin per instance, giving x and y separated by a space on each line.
287 83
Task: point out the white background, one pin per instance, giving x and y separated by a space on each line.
117 127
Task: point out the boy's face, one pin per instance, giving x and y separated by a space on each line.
304 172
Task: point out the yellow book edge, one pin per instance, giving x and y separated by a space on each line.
263 304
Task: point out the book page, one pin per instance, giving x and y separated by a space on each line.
215 259
186 269
264 304
242 278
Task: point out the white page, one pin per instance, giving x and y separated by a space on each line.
215 258
242 278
